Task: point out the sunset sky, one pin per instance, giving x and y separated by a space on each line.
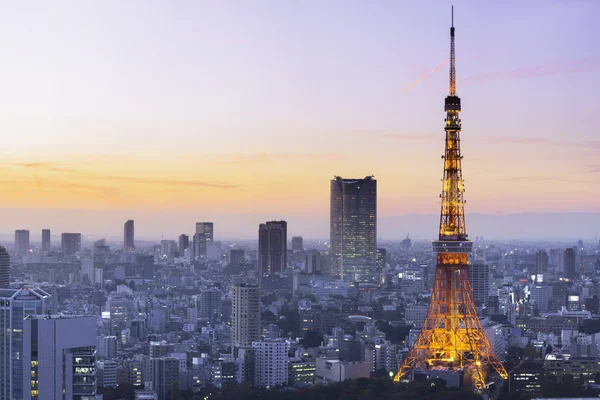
250 108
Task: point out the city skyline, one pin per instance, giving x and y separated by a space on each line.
357 66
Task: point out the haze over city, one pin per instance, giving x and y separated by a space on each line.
244 112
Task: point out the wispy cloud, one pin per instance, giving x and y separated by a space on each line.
588 144
535 72
263 158
49 166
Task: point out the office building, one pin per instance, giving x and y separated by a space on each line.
145 266
4 267
46 244
183 244
415 314
570 263
301 373
270 362
59 351
236 257
245 315
165 371
22 242
16 304
106 347
541 262
313 262
297 243
106 373
339 371
540 296
129 236
272 248
353 228
208 303
479 275
560 292
71 243
206 228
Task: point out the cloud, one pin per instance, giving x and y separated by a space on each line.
588 144
49 166
534 72
593 168
263 158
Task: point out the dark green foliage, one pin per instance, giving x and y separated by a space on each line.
396 335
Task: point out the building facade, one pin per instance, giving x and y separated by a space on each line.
245 315
129 236
71 243
272 248
46 241
479 275
353 228
4 268
21 241
270 363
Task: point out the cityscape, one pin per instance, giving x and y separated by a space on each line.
292 310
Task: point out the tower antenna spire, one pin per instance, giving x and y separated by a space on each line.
452 59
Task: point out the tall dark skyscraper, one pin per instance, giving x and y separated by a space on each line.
205 232
46 240
353 228
297 243
207 228
129 236
4 268
22 241
570 263
184 243
272 248
144 264
70 243
541 262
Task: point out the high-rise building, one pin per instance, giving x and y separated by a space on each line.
46 244
297 243
183 244
272 248
129 236
4 268
313 262
270 362
71 243
106 373
570 263
145 265
245 315
15 305
353 228
21 241
560 292
106 347
58 357
165 371
539 296
209 304
479 275
206 228
541 262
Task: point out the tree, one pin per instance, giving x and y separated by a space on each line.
311 339
175 391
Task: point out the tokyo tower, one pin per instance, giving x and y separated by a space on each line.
452 338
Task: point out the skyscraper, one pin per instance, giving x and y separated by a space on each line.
570 263
183 244
271 362
479 275
128 236
297 243
541 262
207 228
46 240
22 241
16 304
4 268
272 248
245 315
70 243
58 357
353 228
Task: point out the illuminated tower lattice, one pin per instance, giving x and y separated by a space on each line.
451 337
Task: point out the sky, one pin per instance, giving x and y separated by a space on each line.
229 110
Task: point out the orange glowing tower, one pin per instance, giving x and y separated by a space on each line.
452 338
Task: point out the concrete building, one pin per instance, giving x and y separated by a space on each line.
165 371
106 373
297 243
106 347
129 236
415 314
313 262
15 305
270 363
245 315
570 263
22 242
58 351
479 275
526 379
338 371
272 248
353 228
209 304
46 243
183 244
540 296
70 243
4 268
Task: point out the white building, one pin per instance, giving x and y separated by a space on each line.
58 357
270 362
245 315
339 371
107 373
415 314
